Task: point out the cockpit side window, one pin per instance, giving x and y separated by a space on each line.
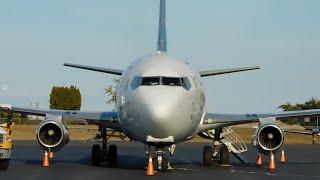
170 81
186 83
150 81
136 82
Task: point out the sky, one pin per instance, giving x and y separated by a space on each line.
283 37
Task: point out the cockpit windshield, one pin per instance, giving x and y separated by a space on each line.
170 81
150 81
165 81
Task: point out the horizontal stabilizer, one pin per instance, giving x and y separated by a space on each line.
226 71
98 69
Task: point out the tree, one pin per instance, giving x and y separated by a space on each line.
65 98
111 91
313 103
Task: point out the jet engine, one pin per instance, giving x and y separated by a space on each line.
267 138
52 135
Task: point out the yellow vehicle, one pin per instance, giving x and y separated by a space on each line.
5 142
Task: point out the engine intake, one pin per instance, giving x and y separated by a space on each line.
52 135
269 137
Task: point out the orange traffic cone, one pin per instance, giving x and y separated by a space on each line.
45 162
51 155
259 161
282 157
150 170
272 163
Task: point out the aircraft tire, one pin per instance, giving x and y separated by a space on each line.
113 155
224 155
4 164
155 163
164 165
96 155
207 156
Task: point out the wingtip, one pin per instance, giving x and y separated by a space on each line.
68 64
257 67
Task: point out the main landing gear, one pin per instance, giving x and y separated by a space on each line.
103 153
218 153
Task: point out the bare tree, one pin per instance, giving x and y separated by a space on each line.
111 91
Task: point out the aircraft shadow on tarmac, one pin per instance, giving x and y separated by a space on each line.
129 162
131 158
132 162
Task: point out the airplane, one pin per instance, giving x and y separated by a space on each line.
160 102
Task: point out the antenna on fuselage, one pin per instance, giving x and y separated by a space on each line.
162 34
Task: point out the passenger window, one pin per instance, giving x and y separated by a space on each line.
171 81
150 81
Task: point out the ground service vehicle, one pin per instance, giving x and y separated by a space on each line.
5 141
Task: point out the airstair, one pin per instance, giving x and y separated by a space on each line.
234 143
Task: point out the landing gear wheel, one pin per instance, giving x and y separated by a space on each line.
224 155
4 165
155 163
164 165
113 156
207 156
96 155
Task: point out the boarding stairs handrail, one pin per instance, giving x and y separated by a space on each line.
233 141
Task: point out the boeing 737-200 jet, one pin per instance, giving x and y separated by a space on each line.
160 102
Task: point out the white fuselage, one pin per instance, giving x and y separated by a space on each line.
160 99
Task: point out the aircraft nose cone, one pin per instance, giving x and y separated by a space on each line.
162 110
159 112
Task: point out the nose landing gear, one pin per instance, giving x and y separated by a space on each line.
160 161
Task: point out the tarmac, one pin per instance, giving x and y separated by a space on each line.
73 162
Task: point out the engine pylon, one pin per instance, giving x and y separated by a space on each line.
150 170
259 161
272 163
45 162
282 157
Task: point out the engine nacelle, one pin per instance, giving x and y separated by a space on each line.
52 135
267 138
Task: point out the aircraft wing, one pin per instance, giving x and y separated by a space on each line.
93 68
299 132
212 120
110 119
227 71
